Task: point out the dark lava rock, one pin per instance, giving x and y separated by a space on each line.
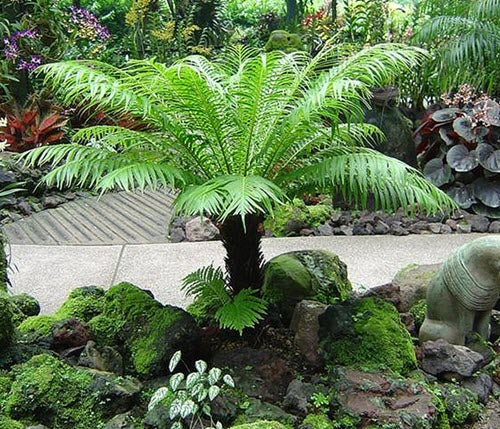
122 421
298 397
449 361
477 223
52 201
257 373
378 399
481 384
69 334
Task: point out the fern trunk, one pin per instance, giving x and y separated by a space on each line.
244 259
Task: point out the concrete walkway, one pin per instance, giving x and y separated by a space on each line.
114 218
50 272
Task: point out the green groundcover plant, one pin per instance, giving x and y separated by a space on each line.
237 136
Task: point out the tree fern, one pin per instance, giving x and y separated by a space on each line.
238 136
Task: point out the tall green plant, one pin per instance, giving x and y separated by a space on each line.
465 39
237 136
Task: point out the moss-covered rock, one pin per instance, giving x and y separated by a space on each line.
309 274
281 40
293 216
366 333
27 304
462 405
262 424
83 304
48 391
146 332
316 421
6 320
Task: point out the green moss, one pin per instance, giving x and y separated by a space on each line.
378 340
53 393
263 424
83 304
346 421
298 212
317 421
308 274
461 404
105 329
8 423
138 323
418 311
5 384
281 40
41 326
6 320
28 305
142 348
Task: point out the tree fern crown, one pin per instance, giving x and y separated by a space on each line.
240 134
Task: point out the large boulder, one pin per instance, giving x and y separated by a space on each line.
49 391
397 128
281 40
366 333
308 274
145 332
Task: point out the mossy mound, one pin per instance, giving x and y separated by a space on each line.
367 334
316 421
309 274
48 391
297 214
6 320
461 404
281 40
28 305
24 307
263 424
146 332
8 423
82 304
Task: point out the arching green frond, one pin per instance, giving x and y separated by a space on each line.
359 172
104 168
243 311
230 195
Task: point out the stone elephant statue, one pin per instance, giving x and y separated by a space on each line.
463 292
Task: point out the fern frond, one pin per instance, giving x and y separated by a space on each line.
243 311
